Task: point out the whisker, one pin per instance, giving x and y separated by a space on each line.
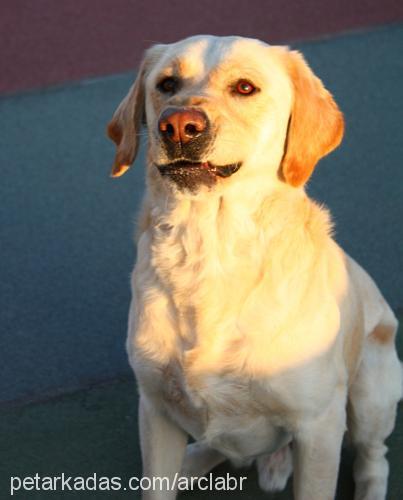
152 41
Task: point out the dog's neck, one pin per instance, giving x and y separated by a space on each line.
224 228
235 203
204 246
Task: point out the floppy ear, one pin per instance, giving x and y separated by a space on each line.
125 125
126 122
316 124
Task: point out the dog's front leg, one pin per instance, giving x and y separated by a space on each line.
163 446
316 453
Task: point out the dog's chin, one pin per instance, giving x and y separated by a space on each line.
192 175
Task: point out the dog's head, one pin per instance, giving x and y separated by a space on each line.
216 108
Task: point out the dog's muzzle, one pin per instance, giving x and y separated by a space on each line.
186 134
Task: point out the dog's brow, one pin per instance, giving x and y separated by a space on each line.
232 71
171 68
191 62
176 66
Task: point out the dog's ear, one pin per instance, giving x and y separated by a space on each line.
316 124
124 128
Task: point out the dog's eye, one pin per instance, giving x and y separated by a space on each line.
244 87
168 85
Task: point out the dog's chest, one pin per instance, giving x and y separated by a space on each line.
208 274
224 411
223 315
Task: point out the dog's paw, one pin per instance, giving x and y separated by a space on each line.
275 469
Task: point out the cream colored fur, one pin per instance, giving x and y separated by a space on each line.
250 328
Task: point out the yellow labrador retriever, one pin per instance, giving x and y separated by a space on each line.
250 329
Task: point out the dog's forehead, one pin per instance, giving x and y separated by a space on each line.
202 53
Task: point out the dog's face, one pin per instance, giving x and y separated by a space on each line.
221 108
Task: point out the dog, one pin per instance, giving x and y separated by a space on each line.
250 329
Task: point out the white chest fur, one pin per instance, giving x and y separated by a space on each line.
227 315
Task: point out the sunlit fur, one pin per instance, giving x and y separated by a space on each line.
249 326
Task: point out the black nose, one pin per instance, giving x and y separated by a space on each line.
182 125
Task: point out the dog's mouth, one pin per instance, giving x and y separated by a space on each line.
186 168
